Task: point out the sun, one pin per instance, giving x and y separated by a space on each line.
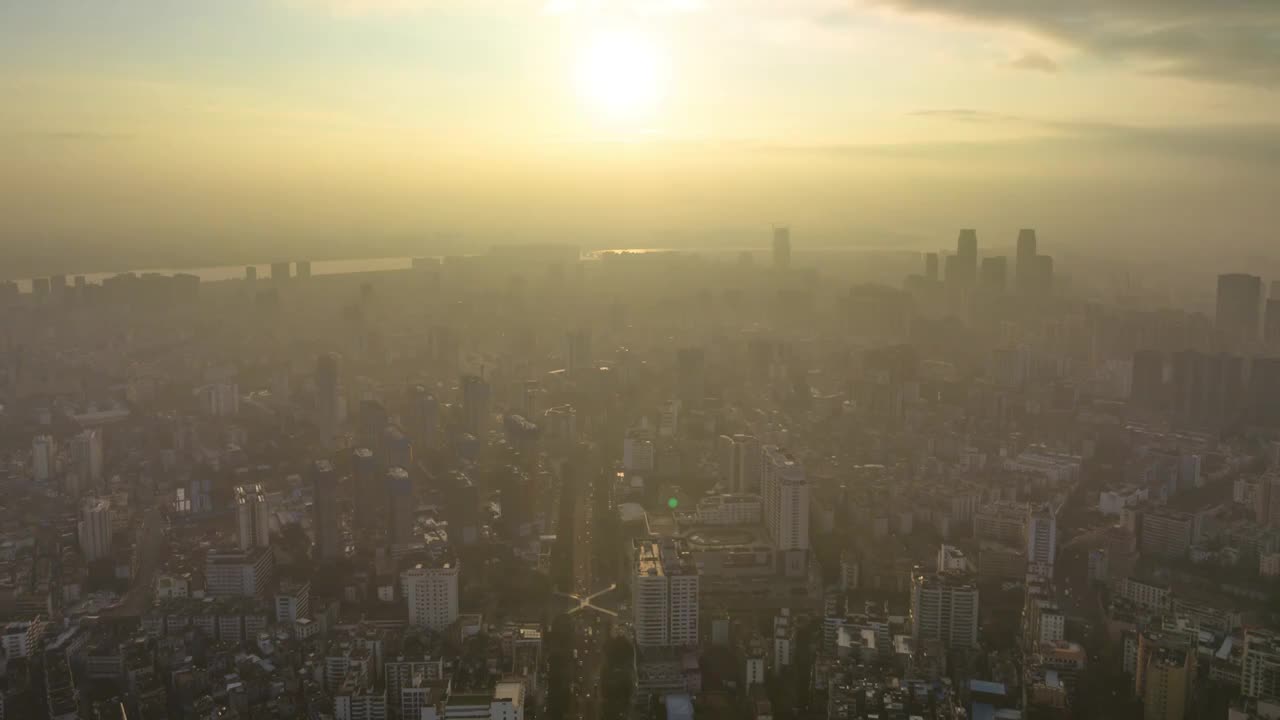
620 75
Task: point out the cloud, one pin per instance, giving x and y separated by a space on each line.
499 7
1235 42
1034 60
1252 143
70 136
962 115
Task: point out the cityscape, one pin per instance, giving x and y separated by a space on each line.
639 360
542 483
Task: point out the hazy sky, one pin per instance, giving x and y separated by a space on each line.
175 123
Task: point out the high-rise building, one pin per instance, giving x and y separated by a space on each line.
367 494
1168 685
1260 666
782 248
293 601
944 607
1042 536
422 417
1271 322
86 453
1271 326
739 460
303 268
963 271
220 399
1026 254
251 273
325 526
577 351
994 276
664 593
44 457
327 395
431 593
95 528
238 573
279 271
1041 275
253 517
401 505
931 266
1264 391
1164 673
1166 533
1206 390
1239 302
395 448
372 424
475 405
1147 389
785 495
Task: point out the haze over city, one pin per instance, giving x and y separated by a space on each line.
639 360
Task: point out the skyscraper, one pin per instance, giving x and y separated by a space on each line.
664 595
422 417
431 593
44 457
1238 305
373 422
86 453
945 608
1207 390
253 517
1041 275
303 268
1026 254
475 405
965 267
785 499
327 396
325 526
782 248
1271 324
994 274
95 528
368 495
931 266
577 351
396 448
401 504
739 461
1264 391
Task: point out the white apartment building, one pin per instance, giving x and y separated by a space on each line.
664 591
431 592
785 499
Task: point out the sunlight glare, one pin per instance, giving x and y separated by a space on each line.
619 75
